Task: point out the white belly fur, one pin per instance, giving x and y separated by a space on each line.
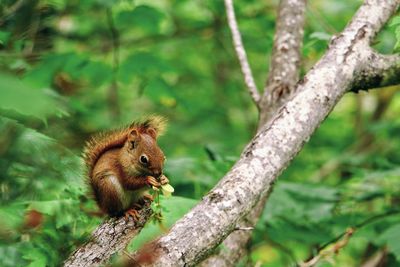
127 197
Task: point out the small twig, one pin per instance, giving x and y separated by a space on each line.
339 244
244 228
341 240
241 53
128 255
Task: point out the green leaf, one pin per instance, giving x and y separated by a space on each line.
51 207
159 90
107 3
4 37
141 63
143 17
320 36
167 190
11 215
175 207
97 73
392 238
19 96
300 202
397 44
395 21
37 258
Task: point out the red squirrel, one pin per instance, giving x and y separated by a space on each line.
123 164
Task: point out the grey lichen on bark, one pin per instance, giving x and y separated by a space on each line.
110 237
380 71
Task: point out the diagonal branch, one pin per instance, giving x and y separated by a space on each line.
241 53
275 145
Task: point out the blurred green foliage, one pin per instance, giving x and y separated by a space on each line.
69 69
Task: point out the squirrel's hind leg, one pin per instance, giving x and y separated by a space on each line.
132 213
109 194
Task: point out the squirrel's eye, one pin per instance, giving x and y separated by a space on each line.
144 159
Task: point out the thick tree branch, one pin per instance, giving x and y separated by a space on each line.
241 53
381 71
289 34
286 57
276 144
234 246
110 237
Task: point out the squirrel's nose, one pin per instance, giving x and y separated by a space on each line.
157 173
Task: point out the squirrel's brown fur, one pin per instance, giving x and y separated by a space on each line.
105 141
123 163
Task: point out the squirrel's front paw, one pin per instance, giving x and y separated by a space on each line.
150 180
132 213
164 180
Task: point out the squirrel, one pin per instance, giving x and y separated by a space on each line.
122 164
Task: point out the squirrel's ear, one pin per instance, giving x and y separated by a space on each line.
152 132
133 135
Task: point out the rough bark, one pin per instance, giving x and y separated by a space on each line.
275 145
285 59
284 65
234 246
110 237
381 71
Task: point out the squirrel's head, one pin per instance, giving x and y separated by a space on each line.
141 154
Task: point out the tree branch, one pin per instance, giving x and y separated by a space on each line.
381 71
110 237
234 246
276 144
241 53
286 57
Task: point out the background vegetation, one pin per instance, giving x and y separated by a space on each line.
69 69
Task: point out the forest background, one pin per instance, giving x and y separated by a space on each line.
69 69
